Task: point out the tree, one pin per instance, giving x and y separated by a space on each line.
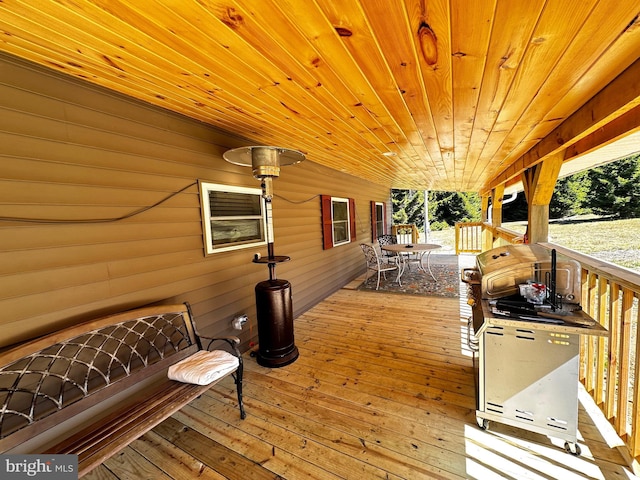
612 190
445 208
568 196
408 207
452 207
615 188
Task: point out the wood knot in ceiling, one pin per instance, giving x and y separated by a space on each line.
343 32
232 18
428 43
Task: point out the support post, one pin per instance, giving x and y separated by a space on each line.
497 195
484 218
539 183
427 228
484 208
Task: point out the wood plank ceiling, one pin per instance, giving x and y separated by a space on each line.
443 95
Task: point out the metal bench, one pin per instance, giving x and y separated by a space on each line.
59 377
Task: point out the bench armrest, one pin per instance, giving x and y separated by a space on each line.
233 342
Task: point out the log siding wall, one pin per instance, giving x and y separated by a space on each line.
69 150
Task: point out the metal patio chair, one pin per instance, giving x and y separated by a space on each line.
380 267
407 235
383 240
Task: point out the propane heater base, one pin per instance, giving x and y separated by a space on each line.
276 347
276 362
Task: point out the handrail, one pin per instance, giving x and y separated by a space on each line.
468 237
406 229
476 237
609 366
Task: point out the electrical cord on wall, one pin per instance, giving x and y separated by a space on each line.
134 213
96 220
362 224
294 202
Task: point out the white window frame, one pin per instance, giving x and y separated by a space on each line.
209 248
347 221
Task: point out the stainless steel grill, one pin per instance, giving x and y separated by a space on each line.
525 327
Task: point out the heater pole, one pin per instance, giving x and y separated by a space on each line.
269 234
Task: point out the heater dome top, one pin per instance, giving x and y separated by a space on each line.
248 156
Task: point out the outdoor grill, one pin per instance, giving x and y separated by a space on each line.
525 328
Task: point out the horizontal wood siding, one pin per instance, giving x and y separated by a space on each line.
75 152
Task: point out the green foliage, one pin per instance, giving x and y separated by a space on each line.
408 207
445 208
515 211
611 190
615 188
452 207
438 226
569 196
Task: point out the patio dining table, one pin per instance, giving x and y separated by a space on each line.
420 249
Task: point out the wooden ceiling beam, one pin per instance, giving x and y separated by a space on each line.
620 97
627 124
618 128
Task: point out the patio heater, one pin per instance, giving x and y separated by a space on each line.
276 347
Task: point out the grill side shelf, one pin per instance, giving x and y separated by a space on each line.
542 324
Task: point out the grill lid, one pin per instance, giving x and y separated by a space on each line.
504 268
508 255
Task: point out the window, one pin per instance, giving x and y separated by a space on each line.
232 217
338 221
377 220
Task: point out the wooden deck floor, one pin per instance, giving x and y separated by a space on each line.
383 388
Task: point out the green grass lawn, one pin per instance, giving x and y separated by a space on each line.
616 241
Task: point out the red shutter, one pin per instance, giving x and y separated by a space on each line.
352 218
374 222
327 226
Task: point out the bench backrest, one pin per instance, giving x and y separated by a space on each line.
55 377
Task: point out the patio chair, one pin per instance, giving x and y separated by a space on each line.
407 235
388 240
374 263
